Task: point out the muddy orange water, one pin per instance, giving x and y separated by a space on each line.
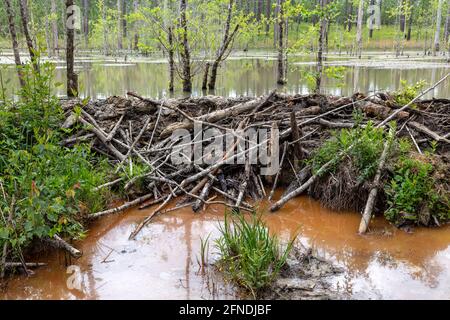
163 262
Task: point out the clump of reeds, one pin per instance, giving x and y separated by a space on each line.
249 254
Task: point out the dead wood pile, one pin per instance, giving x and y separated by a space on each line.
136 129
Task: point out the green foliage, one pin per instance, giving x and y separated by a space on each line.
249 254
367 147
53 186
408 92
413 187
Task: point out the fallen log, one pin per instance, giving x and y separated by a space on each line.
31 265
215 116
428 132
121 208
58 242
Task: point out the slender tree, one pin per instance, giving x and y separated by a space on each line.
72 78
447 26
281 43
437 36
86 22
23 4
54 26
15 44
359 26
322 30
185 53
136 32
119 25
226 42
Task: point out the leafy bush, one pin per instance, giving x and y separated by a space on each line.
368 144
412 189
249 254
52 186
408 92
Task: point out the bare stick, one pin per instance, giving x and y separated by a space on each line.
58 242
278 172
428 132
121 208
376 181
393 115
12 265
114 130
414 140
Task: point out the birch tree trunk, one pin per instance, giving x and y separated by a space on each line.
105 35
86 23
185 51
359 28
23 4
72 79
447 26
15 44
268 13
53 9
119 25
136 26
437 35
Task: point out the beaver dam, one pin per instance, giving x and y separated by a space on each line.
385 156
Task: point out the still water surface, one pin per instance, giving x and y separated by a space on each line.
163 262
251 74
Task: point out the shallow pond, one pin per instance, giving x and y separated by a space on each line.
163 262
251 73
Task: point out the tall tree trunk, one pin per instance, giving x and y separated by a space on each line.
119 25
105 35
268 13
447 26
136 26
410 22
226 41
72 78
259 9
15 45
437 36
349 16
323 25
281 44
402 16
54 27
23 4
86 22
372 2
185 50
124 19
171 60
359 28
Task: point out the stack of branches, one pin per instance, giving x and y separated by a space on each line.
134 128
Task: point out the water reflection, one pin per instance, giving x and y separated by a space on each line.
163 262
252 75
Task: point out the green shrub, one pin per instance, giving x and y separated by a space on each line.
53 186
368 144
249 254
408 92
411 189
